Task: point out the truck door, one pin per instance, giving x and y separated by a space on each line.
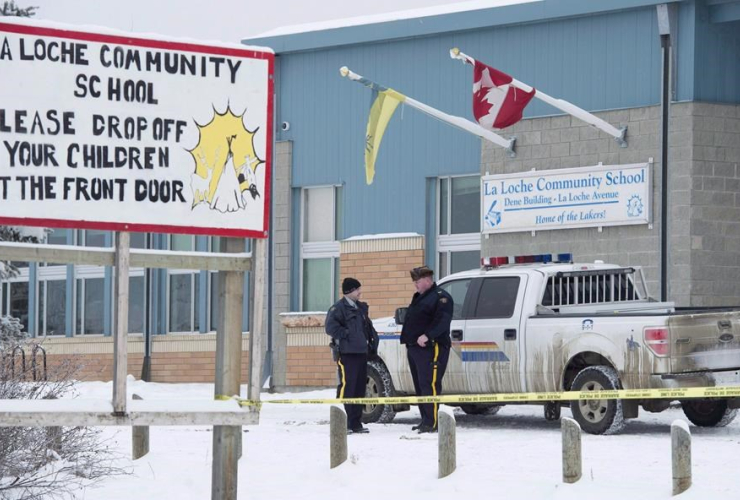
490 347
454 379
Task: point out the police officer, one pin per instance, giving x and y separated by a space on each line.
426 334
353 337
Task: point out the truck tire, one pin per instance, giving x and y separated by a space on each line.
602 416
379 385
708 412
481 409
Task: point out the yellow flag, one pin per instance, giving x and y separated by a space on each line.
380 114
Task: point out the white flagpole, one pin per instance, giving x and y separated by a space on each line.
455 121
571 109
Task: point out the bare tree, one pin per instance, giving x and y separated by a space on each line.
38 462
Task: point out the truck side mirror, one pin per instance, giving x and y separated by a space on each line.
400 316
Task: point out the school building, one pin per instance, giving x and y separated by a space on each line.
424 206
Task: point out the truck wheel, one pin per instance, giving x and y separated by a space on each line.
602 416
481 409
379 385
708 412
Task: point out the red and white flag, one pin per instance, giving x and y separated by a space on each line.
496 103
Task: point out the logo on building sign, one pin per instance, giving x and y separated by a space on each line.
493 216
634 206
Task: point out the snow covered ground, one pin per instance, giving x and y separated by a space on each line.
513 455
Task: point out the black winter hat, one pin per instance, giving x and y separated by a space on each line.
349 285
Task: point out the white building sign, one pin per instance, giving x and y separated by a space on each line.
102 130
569 198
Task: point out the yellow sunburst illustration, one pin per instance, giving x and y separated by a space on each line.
225 163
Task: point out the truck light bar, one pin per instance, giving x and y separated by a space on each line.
494 261
544 258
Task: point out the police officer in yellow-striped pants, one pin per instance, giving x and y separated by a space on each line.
353 337
426 334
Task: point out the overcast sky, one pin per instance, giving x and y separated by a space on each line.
225 20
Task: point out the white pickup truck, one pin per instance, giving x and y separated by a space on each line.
547 324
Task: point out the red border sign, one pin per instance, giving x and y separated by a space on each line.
49 221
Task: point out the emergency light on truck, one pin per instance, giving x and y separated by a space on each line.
544 258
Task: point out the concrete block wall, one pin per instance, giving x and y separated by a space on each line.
382 266
703 197
565 142
715 208
281 256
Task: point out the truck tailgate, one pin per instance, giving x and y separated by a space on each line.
704 341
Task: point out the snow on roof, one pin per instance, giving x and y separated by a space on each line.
134 35
382 236
390 16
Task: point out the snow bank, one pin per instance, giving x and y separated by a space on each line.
514 455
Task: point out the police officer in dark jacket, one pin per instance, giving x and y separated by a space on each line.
353 337
426 334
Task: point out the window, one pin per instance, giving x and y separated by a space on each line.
94 238
136 303
497 297
18 302
52 307
184 289
458 289
90 306
320 223
57 236
458 228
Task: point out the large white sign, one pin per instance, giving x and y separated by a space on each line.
575 197
108 131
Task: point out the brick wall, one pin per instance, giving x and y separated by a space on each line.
311 366
175 358
179 367
382 266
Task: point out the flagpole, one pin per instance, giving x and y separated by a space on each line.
571 109
455 121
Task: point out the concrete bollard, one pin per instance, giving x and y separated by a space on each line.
681 456
139 438
337 436
447 442
572 465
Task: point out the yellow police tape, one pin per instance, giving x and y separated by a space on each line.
526 397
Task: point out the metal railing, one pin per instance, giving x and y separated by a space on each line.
602 286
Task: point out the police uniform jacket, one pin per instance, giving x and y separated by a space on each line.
349 326
430 314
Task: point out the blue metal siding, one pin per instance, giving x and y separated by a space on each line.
717 68
597 62
439 24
